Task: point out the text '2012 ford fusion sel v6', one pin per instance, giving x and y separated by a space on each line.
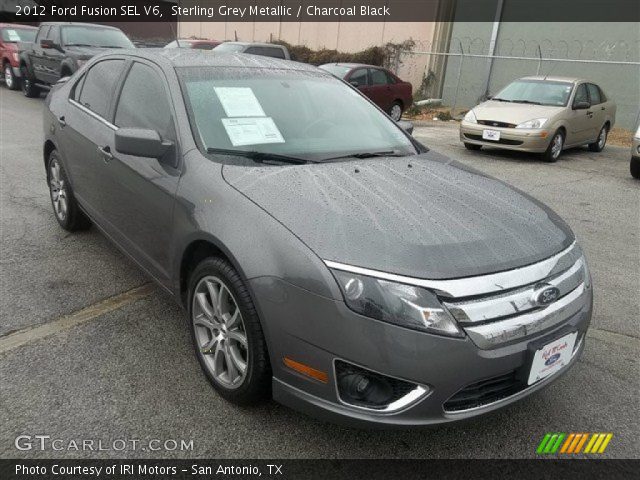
324 256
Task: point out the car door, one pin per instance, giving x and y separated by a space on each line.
581 121
381 91
359 78
84 128
52 57
140 191
36 54
599 109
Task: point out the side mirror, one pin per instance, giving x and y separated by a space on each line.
581 106
406 126
141 142
354 83
47 43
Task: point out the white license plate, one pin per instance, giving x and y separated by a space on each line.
491 135
552 357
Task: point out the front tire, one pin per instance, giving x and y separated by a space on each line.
634 167
554 150
395 112
227 334
29 89
599 144
65 206
10 80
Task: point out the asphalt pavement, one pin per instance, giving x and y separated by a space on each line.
90 350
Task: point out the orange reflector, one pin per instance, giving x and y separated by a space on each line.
306 370
544 134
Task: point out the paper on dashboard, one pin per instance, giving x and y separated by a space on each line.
239 102
252 131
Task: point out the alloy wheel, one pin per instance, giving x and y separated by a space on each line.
8 76
396 112
220 333
556 146
57 188
602 139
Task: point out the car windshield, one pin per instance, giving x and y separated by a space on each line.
302 114
229 47
540 92
95 37
11 35
337 70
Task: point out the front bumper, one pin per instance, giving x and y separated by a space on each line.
524 140
317 331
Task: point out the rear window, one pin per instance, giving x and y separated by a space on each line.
274 52
337 70
228 48
11 35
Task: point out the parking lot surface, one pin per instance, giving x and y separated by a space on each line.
90 349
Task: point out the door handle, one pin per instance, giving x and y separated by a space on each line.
62 121
106 153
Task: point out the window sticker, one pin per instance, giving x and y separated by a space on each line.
239 102
13 36
252 131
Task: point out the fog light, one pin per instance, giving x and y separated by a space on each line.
359 388
369 390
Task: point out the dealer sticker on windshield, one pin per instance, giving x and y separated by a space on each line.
252 131
552 357
491 135
239 102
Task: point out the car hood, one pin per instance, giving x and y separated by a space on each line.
513 112
424 217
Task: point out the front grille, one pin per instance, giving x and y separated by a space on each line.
503 141
485 392
493 123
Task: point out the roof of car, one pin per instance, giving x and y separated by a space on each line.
17 25
353 65
259 44
79 24
554 79
185 57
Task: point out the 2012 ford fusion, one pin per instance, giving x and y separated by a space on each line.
322 255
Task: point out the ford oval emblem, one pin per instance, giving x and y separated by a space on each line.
552 359
545 295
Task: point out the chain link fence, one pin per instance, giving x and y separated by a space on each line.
464 75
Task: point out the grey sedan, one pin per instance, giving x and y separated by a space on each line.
322 255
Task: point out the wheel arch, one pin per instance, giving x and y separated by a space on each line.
47 148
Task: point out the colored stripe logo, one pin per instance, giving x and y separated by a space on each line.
573 443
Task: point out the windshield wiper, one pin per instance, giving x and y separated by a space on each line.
390 153
260 157
109 46
528 101
78 45
498 99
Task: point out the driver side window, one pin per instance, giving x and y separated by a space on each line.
581 94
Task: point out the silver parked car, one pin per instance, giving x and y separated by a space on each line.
541 115
322 255
255 48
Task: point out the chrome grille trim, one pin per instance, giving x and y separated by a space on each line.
493 334
480 285
490 307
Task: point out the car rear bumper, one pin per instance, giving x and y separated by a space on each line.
321 332
523 140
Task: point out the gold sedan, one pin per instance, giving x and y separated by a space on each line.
542 115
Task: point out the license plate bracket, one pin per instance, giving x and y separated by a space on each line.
493 135
549 356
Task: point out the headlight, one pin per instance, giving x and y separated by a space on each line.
404 305
470 117
535 123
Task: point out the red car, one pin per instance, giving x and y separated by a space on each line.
198 44
10 35
384 88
